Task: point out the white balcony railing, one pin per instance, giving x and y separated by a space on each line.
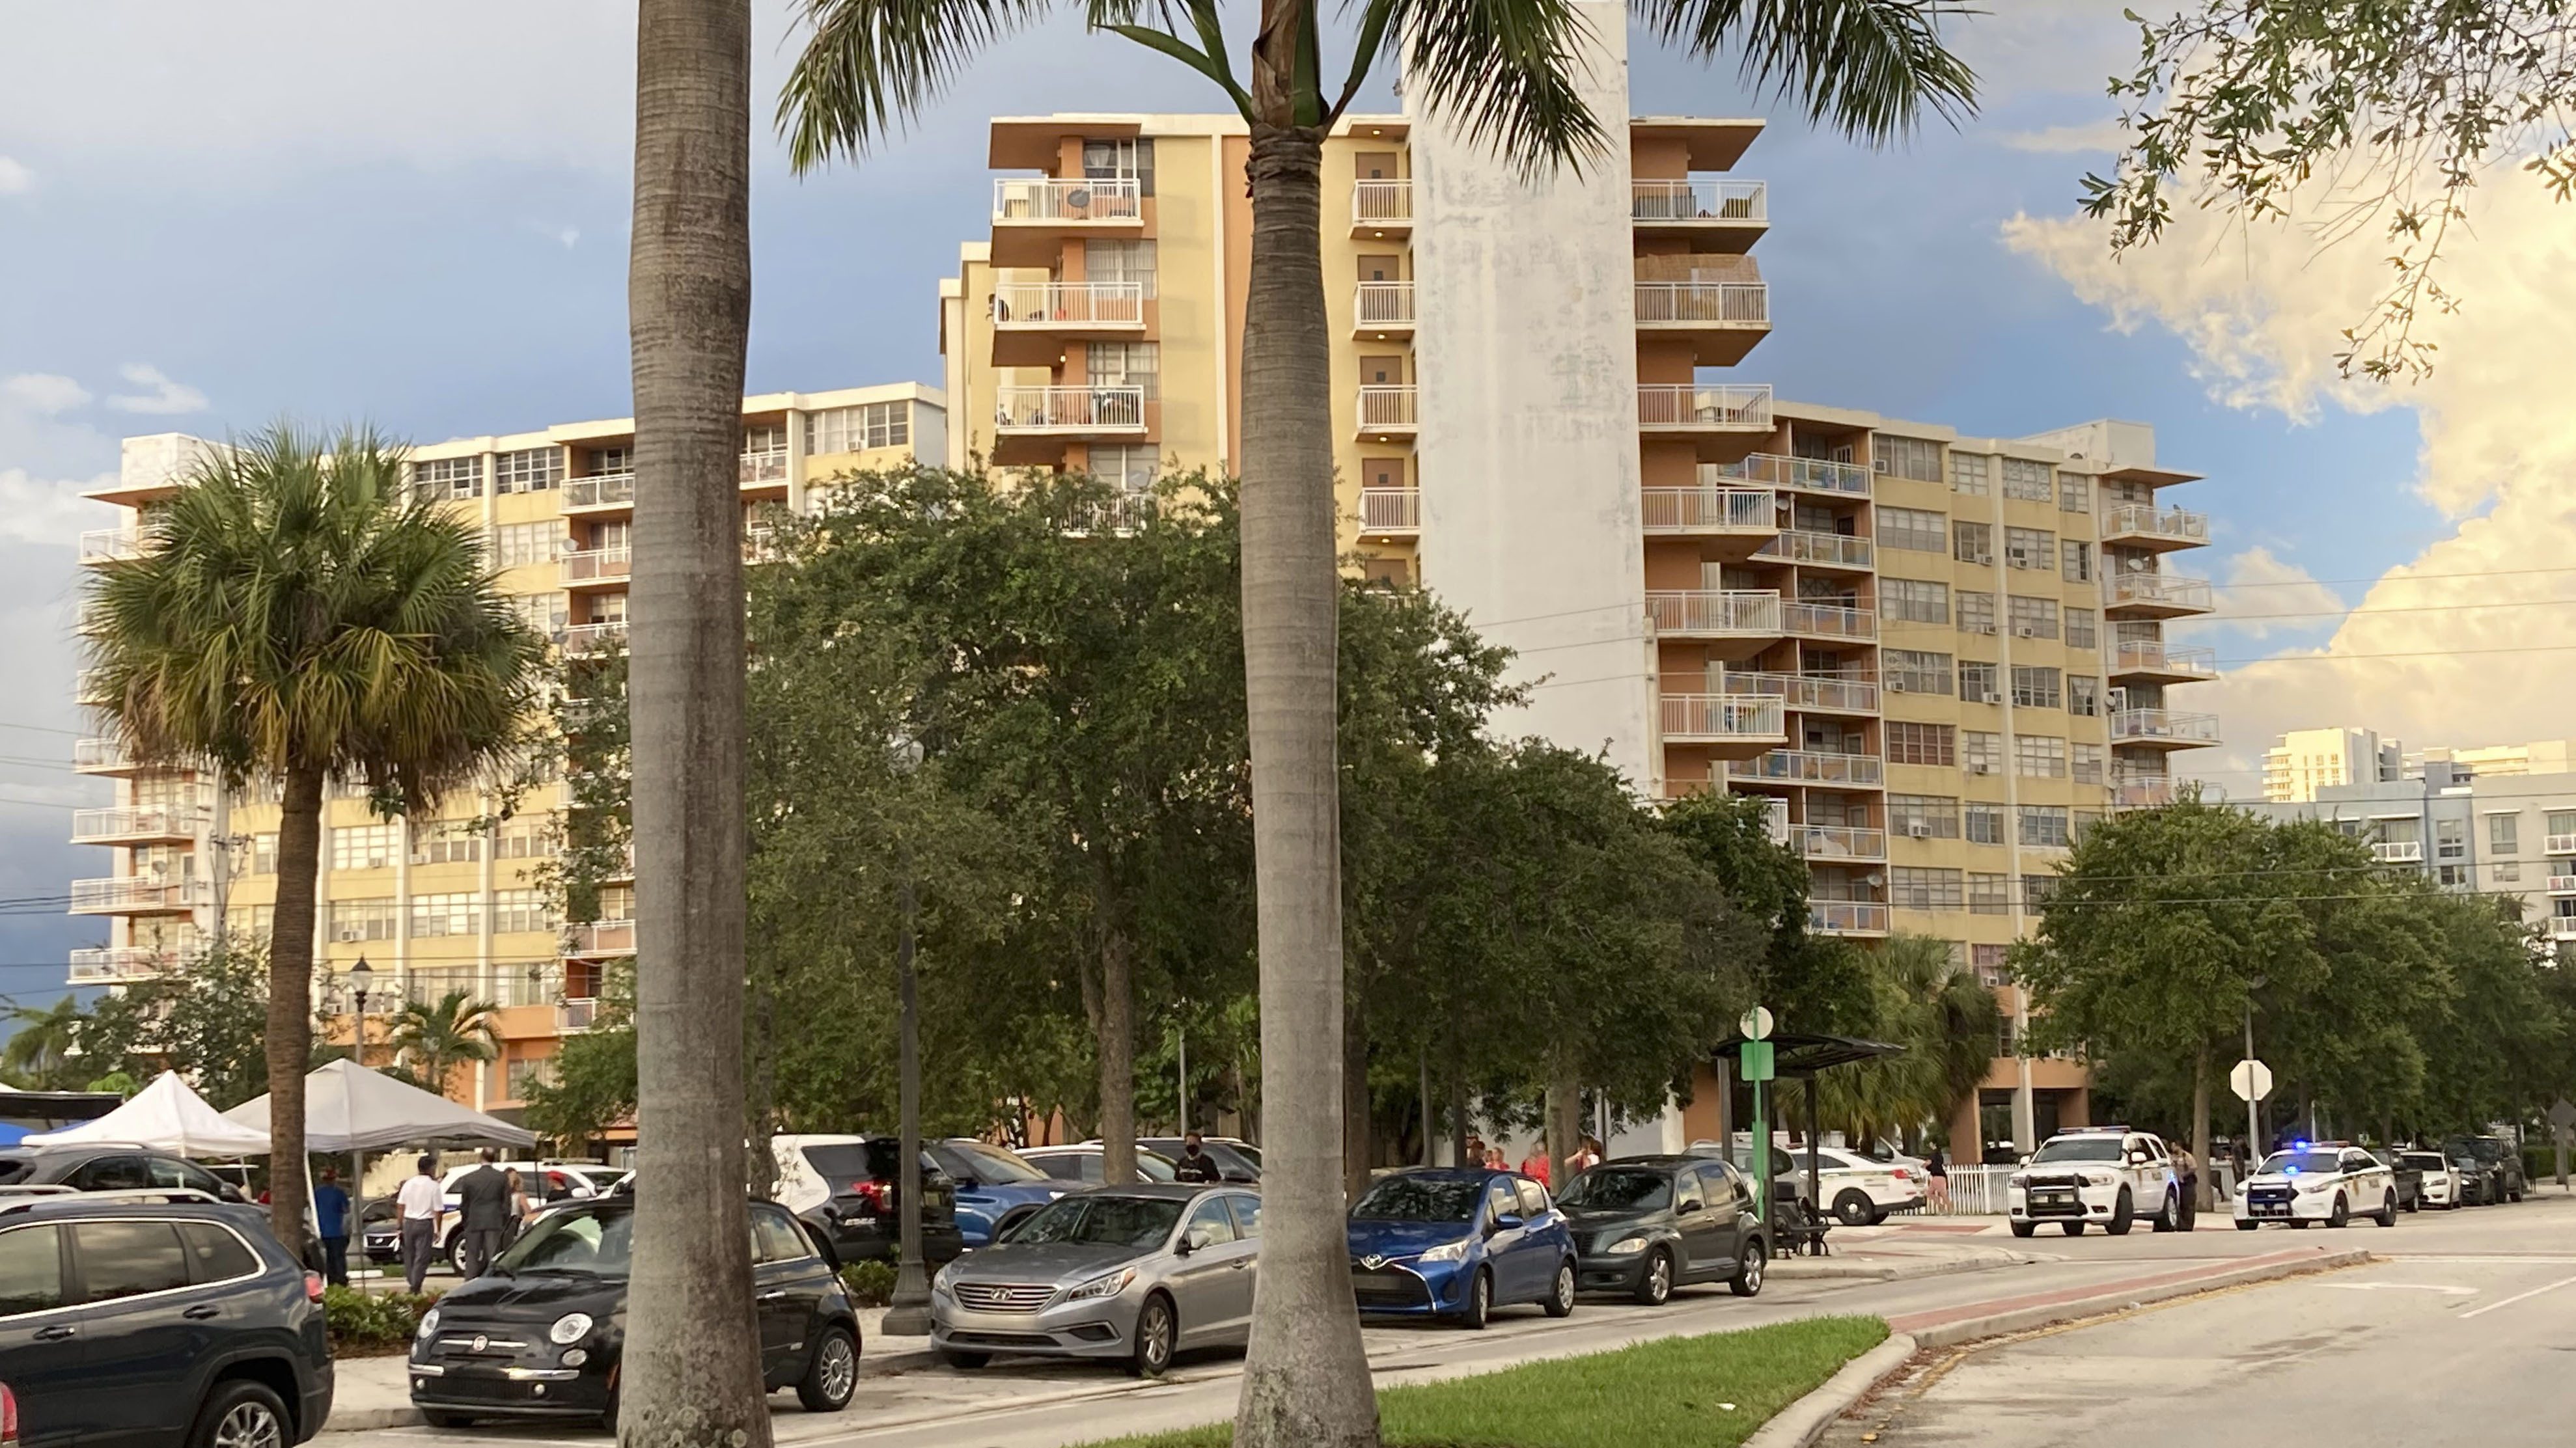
2159 590
2559 844
599 490
1045 306
116 964
601 937
2162 724
1700 199
1841 842
1809 766
586 638
2397 852
2141 656
2142 520
1802 545
1703 304
1050 201
1822 692
137 894
1711 510
593 565
101 755
1688 717
1120 515
1846 917
575 1013
1683 406
2562 927
1390 510
105 545
2562 884
1829 620
1812 475
1380 202
1070 409
1387 405
1383 304
2146 792
764 467
151 821
1739 613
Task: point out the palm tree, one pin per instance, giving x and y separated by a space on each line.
688 312
433 1040
1943 1016
1506 72
298 615
44 1051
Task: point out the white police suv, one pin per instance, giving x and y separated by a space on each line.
2319 1181
2107 1175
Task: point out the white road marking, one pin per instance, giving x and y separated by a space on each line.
2400 1287
2519 1296
2531 1261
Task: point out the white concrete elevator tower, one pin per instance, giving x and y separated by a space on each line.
1525 352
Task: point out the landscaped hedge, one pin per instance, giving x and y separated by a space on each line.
364 1324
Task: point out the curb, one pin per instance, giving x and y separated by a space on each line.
1804 1421
1828 1269
363 1420
1950 1334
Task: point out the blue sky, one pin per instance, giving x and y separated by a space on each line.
419 217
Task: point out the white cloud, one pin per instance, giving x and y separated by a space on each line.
45 392
166 397
566 237
15 178
2265 595
2102 135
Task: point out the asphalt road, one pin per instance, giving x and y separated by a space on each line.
1031 1405
2461 1335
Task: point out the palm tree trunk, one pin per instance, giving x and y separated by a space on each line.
1305 1377
693 1377
2200 1123
1117 1058
1355 1097
290 999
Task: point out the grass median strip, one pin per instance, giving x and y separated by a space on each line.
1680 1392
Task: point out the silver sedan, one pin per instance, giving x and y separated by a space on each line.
1132 1273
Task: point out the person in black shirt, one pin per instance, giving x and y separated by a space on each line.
1195 1165
483 1200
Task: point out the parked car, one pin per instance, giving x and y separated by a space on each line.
110 1169
541 1334
1134 1273
1644 1225
1859 1190
157 1320
2408 1177
846 1188
2103 1175
1082 1163
996 1190
545 1182
2502 1159
1236 1161
2314 1182
2438 1181
1458 1242
2481 1182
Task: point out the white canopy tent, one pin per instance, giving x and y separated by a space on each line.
167 1116
350 1108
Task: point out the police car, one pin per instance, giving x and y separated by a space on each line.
2107 1175
2319 1181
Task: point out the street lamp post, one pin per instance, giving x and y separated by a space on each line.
361 976
908 1310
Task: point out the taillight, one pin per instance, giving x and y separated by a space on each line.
1900 1174
874 1196
8 1415
312 1286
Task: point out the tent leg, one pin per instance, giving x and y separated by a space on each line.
357 1220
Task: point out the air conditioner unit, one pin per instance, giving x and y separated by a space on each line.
2024 631
1980 768
1898 686
1919 830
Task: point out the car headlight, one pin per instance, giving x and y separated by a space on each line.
2099 1178
941 1285
1107 1285
1447 1252
574 1357
2017 1183
570 1328
2316 1184
1627 1246
428 1325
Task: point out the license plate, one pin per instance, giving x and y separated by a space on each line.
2053 1199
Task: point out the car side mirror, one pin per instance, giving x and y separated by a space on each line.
1507 1221
229 1193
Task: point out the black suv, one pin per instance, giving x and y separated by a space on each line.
2499 1157
109 1169
157 1323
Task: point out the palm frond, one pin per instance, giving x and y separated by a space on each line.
1868 68
871 65
1504 72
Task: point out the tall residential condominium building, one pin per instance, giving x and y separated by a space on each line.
432 905
1935 656
2304 761
2489 761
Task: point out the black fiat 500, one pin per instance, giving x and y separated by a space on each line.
539 1335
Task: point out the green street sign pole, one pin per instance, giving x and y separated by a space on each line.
1754 1064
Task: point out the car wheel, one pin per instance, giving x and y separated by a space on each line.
1560 1301
2414 1203
2251 1226
1747 1281
1480 1302
2297 1225
963 1361
2387 1216
1854 1208
2024 1229
437 1419
2514 1196
240 1413
1655 1287
833 1374
454 1253
1156 1334
2073 1229
2124 1214
2340 1214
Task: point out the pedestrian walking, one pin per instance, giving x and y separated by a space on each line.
483 1206
1534 1165
2187 1174
419 1207
1936 1179
331 1224
1194 1164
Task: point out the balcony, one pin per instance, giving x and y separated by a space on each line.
109 545
102 756
2151 662
1828 620
1033 216
154 467
1750 615
764 469
575 1014
1831 843
1388 411
1118 517
2141 792
2397 852
89 687
1390 512
138 895
2562 884
1722 719
1806 475
1818 550
2142 526
1726 422
595 567
1711 213
2562 927
1032 321
1808 693
136 825
2163 729
1752 513
1043 414
2559 844
1810 766
1381 207
122 964
593 638
599 491
1722 320
2153 595
600 938
1381 310
1846 917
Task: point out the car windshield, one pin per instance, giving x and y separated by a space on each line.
2306 1161
1616 1189
1421 1199
2078 1148
2425 1160
590 1244
1102 1220
988 1164
2483 1148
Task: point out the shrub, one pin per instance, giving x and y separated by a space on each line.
871 1283
362 1323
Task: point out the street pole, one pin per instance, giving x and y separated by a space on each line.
2253 1125
908 1311
1181 1099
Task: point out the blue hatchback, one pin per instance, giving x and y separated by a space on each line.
996 1190
1456 1243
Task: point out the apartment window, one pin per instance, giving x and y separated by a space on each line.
1123 157
251 922
1125 364
547 613
1923 816
606 460
2072 495
524 840
1914 600
1969 473
2031 482
2044 824
1976 612
1981 751
2039 756
2077 558
1913 529
763 438
1972 542
2085 761
1131 466
1911 888
857 429
1906 457
365 847
2562 822
529 470
1977 682
1120 261
1914 671
2451 839
1920 743
448 477
457 914
2034 618
2506 872
616 902
2084 696
353 920
259 854
2036 688
449 844
516 545
517 911
2504 834
1985 823
2035 890
1992 963
525 1072
2081 631
1989 895
2029 547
